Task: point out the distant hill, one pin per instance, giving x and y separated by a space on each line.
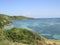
20 18
15 17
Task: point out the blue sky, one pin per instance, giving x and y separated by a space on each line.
31 8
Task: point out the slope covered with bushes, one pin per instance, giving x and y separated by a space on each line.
20 35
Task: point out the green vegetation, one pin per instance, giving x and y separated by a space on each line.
20 36
3 20
15 17
20 18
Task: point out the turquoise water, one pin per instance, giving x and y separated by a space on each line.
47 27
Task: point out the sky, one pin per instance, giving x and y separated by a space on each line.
31 8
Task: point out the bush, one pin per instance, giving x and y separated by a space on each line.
20 35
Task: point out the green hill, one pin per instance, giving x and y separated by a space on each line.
19 36
23 36
20 18
15 17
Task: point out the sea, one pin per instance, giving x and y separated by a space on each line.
47 27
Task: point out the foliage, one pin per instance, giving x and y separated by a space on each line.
3 20
19 35
24 36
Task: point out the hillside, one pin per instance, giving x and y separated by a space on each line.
15 17
23 36
20 18
4 20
